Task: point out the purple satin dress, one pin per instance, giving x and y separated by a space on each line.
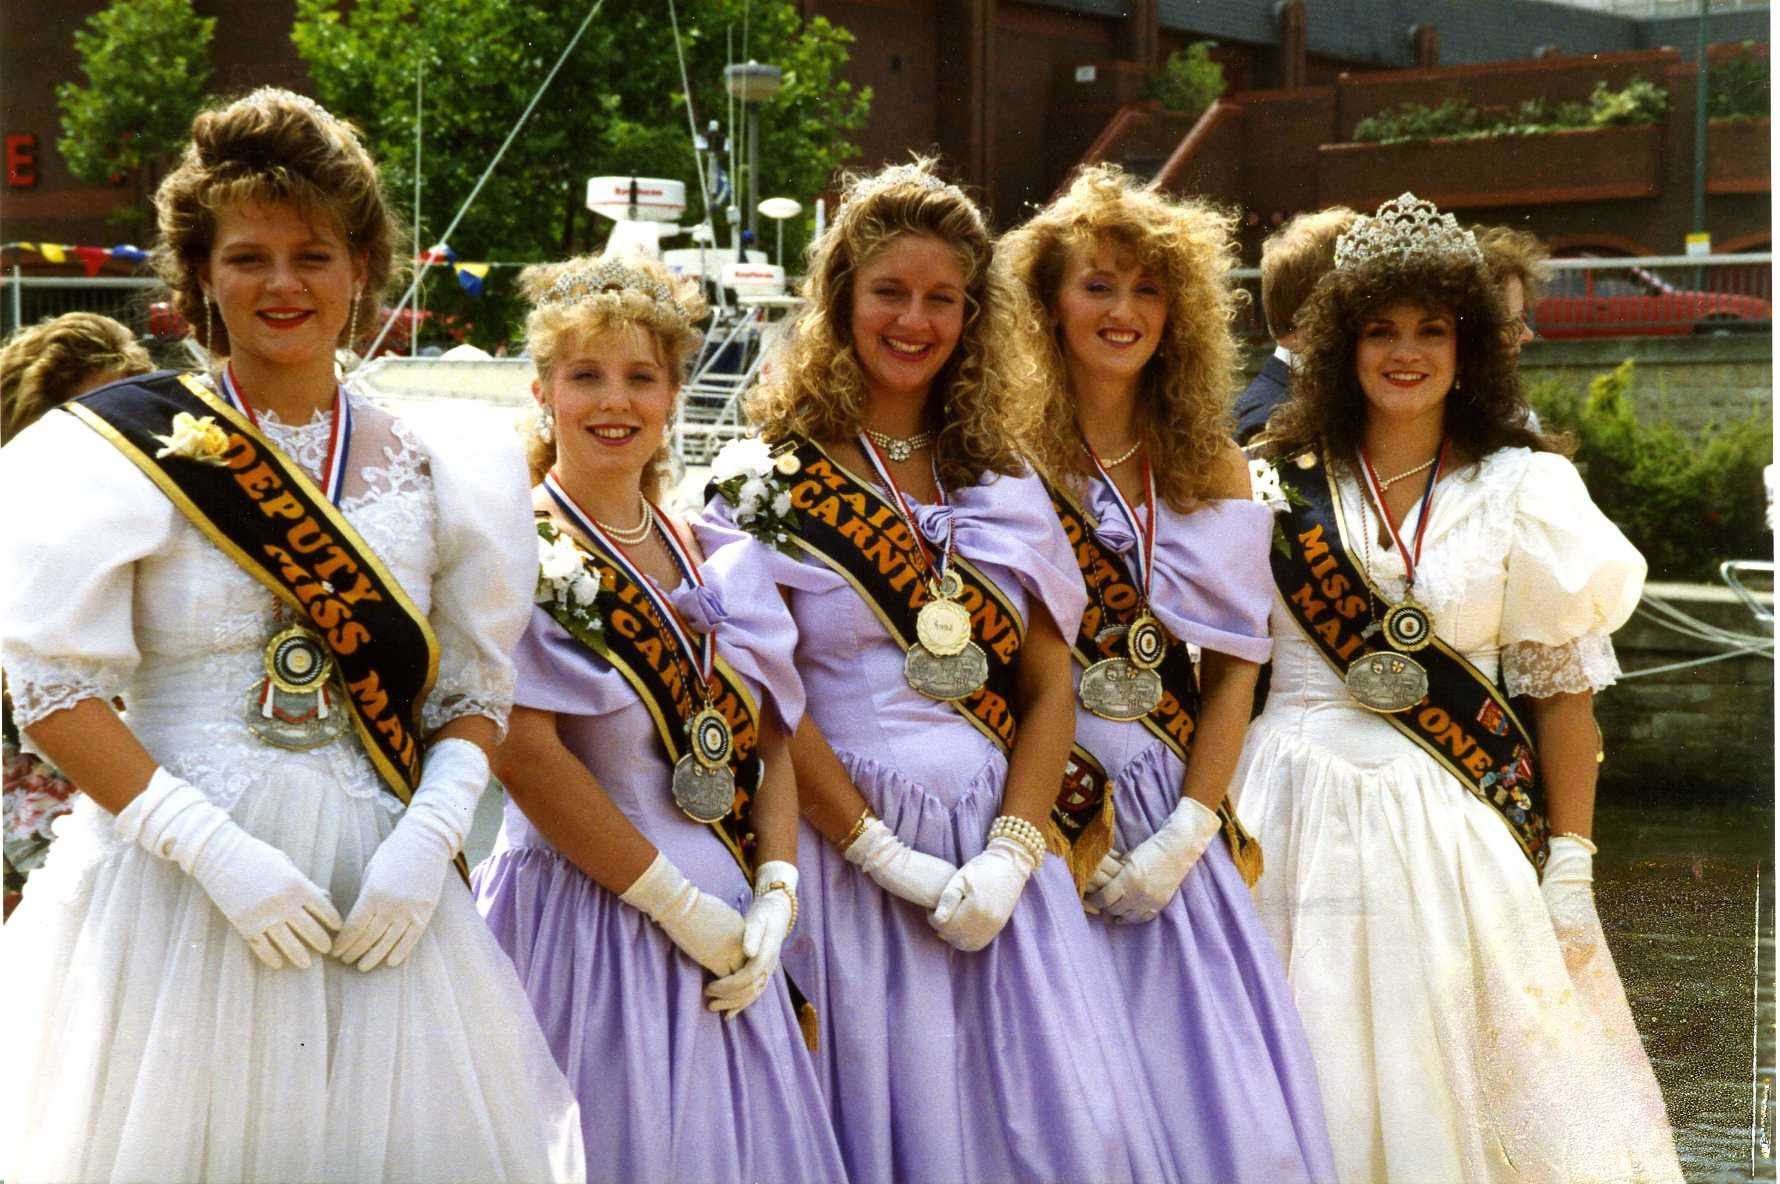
1218 1033
1010 1064
668 1090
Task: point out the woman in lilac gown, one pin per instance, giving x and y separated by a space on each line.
969 1027
1127 312
611 897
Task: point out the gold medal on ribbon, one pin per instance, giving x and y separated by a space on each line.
292 707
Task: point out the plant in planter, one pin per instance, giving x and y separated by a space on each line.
1639 102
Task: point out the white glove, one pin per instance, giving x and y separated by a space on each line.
703 927
981 895
407 871
1568 887
255 885
764 930
898 868
1154 868
1110 863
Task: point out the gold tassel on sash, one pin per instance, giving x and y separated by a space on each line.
1245 850
810 1025
1089 848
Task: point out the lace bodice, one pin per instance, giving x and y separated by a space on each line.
148 609
1522 574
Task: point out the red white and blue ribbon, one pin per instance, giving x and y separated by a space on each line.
906 506
1143 530
1376 489
333 469
705 651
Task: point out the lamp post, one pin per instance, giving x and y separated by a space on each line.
752 82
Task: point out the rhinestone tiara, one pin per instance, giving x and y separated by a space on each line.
862 188
1405 229
613 275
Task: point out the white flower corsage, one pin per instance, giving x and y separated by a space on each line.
566 589
193 438
1267 488
756 486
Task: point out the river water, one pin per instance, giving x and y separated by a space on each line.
1684 888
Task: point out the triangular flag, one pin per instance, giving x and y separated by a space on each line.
129 254
436 254
470 276
53 252
92 259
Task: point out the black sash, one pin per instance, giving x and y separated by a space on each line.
1465 722
265 513
1114 599
640 646
847 524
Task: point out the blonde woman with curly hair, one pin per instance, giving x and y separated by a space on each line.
46 364
969 1031
248 956
640 915
1126 307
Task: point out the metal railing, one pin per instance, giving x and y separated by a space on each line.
25 300
1658 295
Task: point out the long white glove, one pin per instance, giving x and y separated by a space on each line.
703 927
1568 887
1154 868
898 868
981 896
255 885
1109 866
407 872
764 930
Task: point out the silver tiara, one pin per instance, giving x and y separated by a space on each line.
895 177
1405 229
615 276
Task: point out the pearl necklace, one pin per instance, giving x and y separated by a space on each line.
632 536
1387 482
900 448
1120 459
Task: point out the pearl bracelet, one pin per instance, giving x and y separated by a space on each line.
788 890
1022 832
1587 844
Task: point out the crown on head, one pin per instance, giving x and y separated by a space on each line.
1404 229
894 177
616 276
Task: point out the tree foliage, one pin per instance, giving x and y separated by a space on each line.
1190 80
147 63
616 108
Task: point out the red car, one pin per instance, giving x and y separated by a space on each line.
1619 301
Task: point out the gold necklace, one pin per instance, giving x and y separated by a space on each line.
631 536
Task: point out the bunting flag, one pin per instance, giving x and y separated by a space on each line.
470 276
436 254
54 252
91 259
129 254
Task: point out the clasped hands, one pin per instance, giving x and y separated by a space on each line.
279 911
742 951
967 906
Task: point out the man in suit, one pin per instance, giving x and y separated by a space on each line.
1293 259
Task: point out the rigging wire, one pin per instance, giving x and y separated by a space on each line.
698 162
426 260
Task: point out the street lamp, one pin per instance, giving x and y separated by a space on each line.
752 82
779 209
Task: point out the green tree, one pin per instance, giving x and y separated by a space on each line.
616 108
1190 80
147 63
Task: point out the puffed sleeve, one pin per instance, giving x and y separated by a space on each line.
1572 579
757 634
1005 524
81 516
487 570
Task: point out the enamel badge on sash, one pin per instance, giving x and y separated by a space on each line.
944 663
1128 688
1390 681
297 705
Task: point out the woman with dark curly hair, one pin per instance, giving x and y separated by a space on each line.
308 607
1127 309
969 1030
1440 569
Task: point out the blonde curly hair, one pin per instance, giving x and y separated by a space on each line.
587 295
44 365
1185 390
818 389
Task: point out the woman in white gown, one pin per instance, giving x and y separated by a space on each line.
180 1009
1442 942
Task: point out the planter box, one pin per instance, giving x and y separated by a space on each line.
1738 156
1581 165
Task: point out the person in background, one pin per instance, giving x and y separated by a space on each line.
46 364
42 366
1516 264
1293 259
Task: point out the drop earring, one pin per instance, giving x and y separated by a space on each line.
352 324
545 428
209 324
